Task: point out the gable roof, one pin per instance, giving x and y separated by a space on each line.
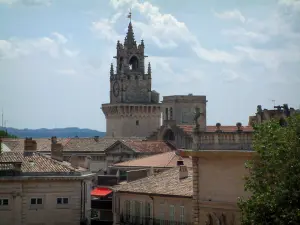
164 183
167 159
36 163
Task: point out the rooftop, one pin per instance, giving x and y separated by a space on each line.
167 159
164 183
149 146
36 164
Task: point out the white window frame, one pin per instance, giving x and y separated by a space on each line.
36 205
2 200
62 201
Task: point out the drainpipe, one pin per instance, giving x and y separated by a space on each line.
81 202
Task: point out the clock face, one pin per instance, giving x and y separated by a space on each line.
116 89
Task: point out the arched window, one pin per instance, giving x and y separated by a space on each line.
133 63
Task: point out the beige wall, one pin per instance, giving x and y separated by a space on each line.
158 204
218 185
20 211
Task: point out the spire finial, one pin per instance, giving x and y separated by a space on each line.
129 15
129 39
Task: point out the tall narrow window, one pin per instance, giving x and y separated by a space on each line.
181 217
172 214
127 210
167 114
162 214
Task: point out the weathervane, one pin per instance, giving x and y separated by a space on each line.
129 15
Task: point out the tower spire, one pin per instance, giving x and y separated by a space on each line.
129 39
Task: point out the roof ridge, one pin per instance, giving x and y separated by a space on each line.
171 159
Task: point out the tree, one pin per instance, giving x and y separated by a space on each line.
274 178
7 135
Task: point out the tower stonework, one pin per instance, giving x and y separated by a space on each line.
134 109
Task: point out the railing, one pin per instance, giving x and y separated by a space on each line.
137 220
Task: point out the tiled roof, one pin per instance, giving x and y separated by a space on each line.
149 146
164 183
167 159
189 128
37 163
70 144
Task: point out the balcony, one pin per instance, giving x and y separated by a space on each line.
137 220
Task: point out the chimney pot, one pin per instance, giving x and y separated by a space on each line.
96 138
53 139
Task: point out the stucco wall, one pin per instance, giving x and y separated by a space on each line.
159 204
20 210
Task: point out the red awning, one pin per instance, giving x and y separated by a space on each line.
101 192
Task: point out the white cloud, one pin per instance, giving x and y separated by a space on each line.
27 2
245 36
234 15
163 29
54 46
67 71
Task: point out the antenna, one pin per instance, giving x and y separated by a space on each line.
2 118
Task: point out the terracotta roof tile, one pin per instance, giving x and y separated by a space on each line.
37 163
149 146
167 159
189 128
164 183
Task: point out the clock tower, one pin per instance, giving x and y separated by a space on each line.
134 109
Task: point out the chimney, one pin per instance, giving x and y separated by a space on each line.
218 125
239 126
17 166
180 162
53 140
183 172
74 160
56 150
29 146
87 162
96 138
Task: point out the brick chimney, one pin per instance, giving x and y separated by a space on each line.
29 146
74 160
183 172
56 150
87 162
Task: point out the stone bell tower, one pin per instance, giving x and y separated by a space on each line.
134 109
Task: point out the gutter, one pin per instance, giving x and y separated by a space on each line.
81 213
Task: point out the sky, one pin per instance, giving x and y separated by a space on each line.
55 56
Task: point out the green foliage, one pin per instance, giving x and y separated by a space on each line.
274 178
7 135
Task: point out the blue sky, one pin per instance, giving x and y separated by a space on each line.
55 56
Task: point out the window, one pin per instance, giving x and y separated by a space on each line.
3 202
147 210
62 201
172 214
36 201
181 216
137 123
162 213
127 209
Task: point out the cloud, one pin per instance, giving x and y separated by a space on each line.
162 29
67 71
232 15
54 46
27 2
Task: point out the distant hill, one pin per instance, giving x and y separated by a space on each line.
58 132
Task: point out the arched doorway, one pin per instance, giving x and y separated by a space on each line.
169 135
